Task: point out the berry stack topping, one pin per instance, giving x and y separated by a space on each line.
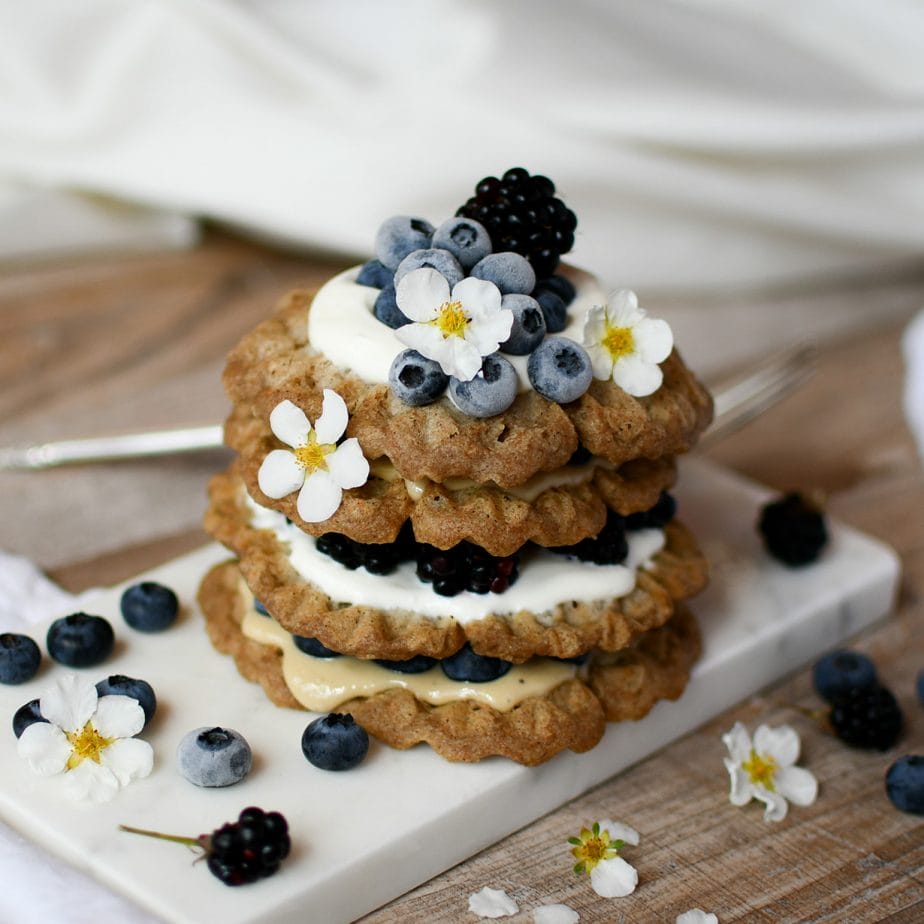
416 380
522 214
213 757
335 742
608 547
376 558
839 672
905 784
139 690
26 715
465 567
793 529
867 717
19 658
656 517
80 640
490 392
560 369
468 667
149 606
239 852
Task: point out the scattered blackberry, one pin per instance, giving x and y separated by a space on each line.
465 567
793 529
239 852
656 517
376 558
521 213
867 717
608 547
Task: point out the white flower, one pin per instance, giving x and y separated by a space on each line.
456 329
626 345
492 903
596 850
696 916
88 738
555 914
315 463
765 769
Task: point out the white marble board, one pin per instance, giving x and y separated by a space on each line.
365 836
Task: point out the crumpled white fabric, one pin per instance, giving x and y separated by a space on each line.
702 142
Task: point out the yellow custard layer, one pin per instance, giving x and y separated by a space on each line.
323 684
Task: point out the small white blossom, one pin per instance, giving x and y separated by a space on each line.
88 738
765 769
315 463
596 850
626 345
492 903
696 916
457 328
555 914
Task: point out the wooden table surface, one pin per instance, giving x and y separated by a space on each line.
133 342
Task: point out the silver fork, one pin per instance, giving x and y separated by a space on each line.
737 401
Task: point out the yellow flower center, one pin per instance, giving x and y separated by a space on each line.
618 341
87 744
591 847
311 456
760 769
451 319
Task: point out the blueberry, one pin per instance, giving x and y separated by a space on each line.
905 784
399 236
553 310
466 239
509 271
335 742
561 286
140 690
260 608
840 671
80 640
386 308
465 665
440 260
149 606
19 658
311 646
528 324
491 392
375 274
416 380
416 665
26 715
559 369
213 757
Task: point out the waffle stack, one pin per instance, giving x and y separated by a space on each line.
490 583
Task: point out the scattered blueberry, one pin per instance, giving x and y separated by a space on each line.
867 717
559 369
467 666
399 236
149 606
554 310
260 608
386 308
528 324
335 742
905 784
80 640
416 380
26 715
491 392
440 260
140 690
311 646
19 658
416 665
840 671
562 286
375 274
213 757
793 529
466 239
509 271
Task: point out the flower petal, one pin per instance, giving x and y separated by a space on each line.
613 878
478 297
69 702
319 497
290 424
601 361
654 339
741 791
555 914
776 805
426 339
46 748
619 831
421 292
738 742
696 916
280 474
796 784
348 467
334 418
492 903
636 377
118 717
92 781
489 332
465 359
622 309
128 759
782 744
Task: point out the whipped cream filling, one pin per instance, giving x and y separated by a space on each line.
545 580
343 328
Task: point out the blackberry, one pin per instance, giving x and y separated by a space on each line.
793 529
522 214
867 717
656 517
375 557
608 547
239 852
465 567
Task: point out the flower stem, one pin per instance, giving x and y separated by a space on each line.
176 838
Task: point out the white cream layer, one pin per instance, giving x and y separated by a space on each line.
545 580
341 325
